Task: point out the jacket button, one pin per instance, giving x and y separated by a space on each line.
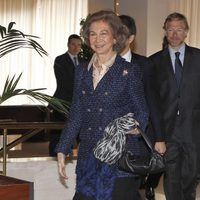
100 109
89 110
100 129
89 129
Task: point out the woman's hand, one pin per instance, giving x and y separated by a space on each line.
61 165
134 131
160 147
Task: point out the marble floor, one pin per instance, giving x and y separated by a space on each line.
40 149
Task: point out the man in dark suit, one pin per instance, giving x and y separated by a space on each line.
150 182
176 79
64 66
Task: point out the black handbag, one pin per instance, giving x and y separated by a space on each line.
154 163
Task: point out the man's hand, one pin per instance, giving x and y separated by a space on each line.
160 147
61 165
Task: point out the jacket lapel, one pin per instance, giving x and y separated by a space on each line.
108 82
87 81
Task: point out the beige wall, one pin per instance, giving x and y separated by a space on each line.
149 16
95 5
138 10
157 12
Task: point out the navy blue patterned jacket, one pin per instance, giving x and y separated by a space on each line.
119 92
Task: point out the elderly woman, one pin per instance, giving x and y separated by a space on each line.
106 88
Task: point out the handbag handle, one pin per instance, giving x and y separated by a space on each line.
146 139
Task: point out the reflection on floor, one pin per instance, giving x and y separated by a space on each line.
40 149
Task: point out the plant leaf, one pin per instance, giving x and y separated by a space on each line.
13 39
34 94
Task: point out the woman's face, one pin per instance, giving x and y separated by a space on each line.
101 38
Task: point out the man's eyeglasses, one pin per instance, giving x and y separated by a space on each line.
178 31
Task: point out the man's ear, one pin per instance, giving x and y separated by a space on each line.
131 38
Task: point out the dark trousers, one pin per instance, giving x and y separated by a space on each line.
152 180
80 196
180 179
126 188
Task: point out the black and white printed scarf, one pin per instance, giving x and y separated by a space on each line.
110 148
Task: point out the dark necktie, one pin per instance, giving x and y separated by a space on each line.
75 61
178 68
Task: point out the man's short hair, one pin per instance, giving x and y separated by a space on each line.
178 17
74 36
129 22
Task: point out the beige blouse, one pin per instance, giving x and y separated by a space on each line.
100 71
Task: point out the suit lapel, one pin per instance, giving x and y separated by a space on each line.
187 65
187 59
166 61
